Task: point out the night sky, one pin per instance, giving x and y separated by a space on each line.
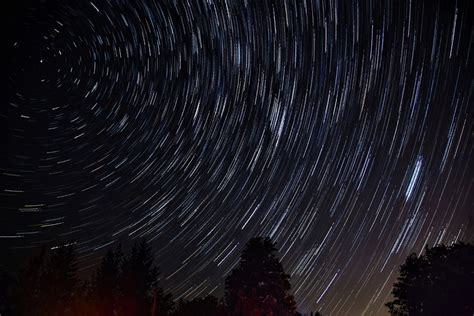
343 130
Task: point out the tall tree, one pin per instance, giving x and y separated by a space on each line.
440 282
106 283
139 284
259 286
58 283
27 293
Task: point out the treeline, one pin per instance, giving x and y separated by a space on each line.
439 282
127 284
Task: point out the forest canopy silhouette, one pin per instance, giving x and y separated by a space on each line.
440 282
126 283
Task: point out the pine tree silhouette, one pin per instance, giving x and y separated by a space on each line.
106 283
259 286
140 294
58 283
27 294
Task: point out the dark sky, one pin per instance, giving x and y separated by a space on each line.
342 130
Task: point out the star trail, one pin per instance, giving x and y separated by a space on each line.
343 130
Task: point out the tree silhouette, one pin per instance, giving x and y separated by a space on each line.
127 285
440 282
106 283
58 283
140 294
27 293
259 285
123 285
48 286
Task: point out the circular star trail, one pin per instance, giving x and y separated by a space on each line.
342 130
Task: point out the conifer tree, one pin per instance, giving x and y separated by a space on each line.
27 293
58 283
259 285
140 294
106 283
